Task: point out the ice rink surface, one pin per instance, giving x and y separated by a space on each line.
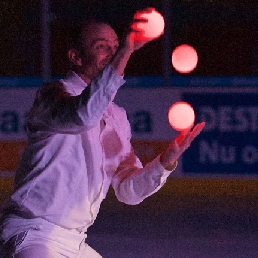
202 228
193 219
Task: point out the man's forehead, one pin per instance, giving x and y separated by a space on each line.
95 32
98 39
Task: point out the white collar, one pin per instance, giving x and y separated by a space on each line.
74 79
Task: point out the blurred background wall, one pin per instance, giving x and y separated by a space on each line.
224 33
33 41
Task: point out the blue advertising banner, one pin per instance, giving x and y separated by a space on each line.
229 141
228 145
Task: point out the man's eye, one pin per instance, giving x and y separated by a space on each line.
101 46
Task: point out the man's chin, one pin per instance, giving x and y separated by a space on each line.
102 67
104 63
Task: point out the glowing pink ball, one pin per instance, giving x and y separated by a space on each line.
153 28
184 58
181 116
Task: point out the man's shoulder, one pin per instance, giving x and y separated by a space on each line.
51 91
57 84
54 87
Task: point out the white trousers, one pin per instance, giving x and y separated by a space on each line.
48 242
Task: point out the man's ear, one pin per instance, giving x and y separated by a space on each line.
74 57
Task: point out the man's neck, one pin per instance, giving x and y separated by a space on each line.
87 75
85 78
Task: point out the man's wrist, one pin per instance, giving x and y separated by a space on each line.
167 165
171 167
120 60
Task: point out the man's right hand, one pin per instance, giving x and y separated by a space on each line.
132 39
129 45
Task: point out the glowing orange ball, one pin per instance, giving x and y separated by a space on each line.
184 58
152 28
181 116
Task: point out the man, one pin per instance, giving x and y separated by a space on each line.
79 145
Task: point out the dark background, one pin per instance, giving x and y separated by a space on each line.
224 33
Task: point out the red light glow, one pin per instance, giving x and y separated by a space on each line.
181 116
153 28
184 58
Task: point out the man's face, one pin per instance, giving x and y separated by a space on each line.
100 43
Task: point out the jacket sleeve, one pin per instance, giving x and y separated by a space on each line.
132 182
55 110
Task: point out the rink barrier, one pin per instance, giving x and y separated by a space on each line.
194 189
178 184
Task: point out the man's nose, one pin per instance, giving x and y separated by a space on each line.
112 50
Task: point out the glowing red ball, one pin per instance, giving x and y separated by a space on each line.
184 58
152 28
181 116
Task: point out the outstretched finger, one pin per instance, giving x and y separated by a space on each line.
182 136
139 13
139 19
135 25
196 130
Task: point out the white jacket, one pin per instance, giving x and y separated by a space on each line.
79 145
